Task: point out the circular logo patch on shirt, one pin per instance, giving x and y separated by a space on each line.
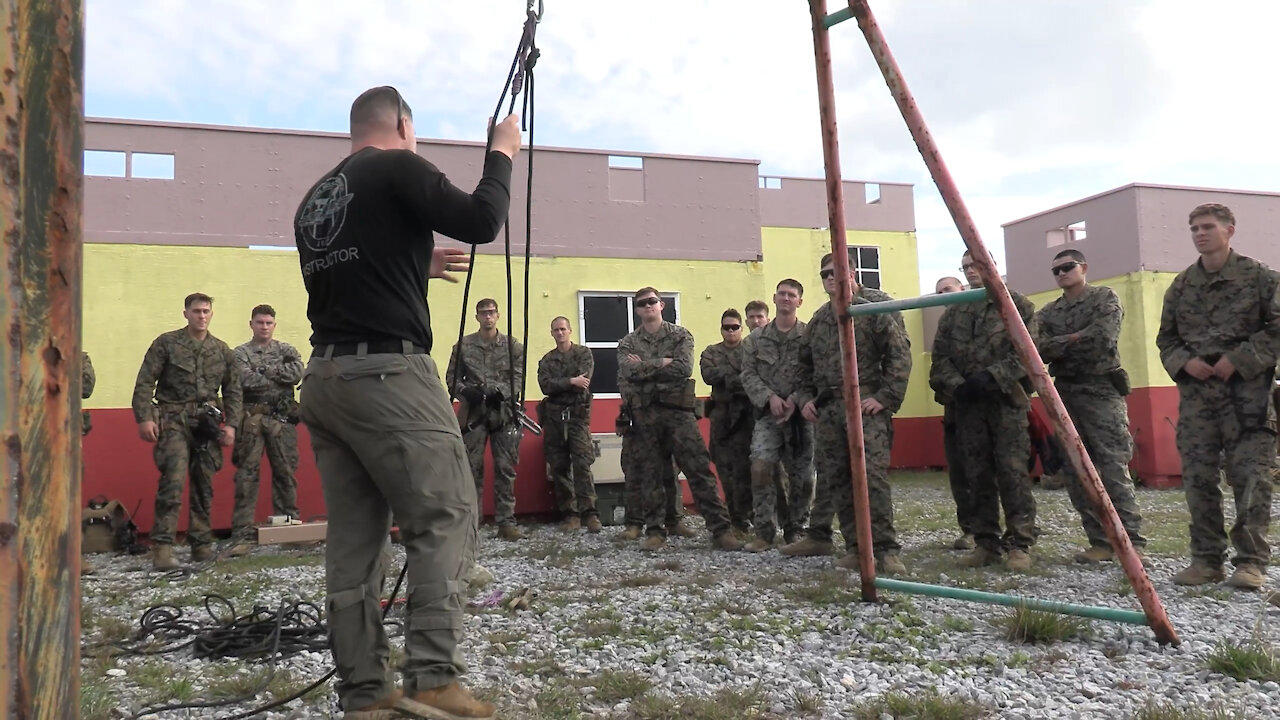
325 212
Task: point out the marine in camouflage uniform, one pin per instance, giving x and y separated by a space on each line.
184 371
884 366
87 380
269 370
656 364
633 492
977 370
732 419
485 369
771 376
1079 336
564 375
1219 338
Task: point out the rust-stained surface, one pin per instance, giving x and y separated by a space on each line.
40 211
1063 426
844 296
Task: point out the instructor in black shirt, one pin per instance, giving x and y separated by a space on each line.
381 424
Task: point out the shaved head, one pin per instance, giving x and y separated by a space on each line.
378 110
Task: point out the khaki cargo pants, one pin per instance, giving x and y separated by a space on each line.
386 441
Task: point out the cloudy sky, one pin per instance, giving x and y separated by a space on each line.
1033 104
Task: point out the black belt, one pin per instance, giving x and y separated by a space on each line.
396 347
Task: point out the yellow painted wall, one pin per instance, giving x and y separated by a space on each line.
132 293
1142 297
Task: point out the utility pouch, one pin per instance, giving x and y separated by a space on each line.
1120 381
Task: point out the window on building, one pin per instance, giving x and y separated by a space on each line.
1073 233
866 263
604 318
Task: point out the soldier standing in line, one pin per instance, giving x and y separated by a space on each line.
633 485
564 375
976 370
481 372
960 490
1080 339
183 371
757 318
729 410
1219 338
884 366
269 370
87 380
757 315
771 376
656 360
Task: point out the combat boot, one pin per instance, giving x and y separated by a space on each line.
1095 554
1199 572
86 567
201 553
449 702
849 561
964 542
682 530
979 557
726 541
1247 577
510 532
593 524
572 523
654 542
632 532
383 709
1018 560
757 545
890 564
807 547
240 549
162 557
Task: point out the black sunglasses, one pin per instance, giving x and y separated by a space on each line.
1065 268
730 327
648 301
401 110
827 274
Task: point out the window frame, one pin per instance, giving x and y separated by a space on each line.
672 298
855 255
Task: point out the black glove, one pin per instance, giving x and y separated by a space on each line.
977 386
473 394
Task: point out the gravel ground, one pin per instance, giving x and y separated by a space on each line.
687 632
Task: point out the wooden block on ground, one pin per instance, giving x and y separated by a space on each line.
306 532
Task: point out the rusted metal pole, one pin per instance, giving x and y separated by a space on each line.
40 252
844 296
1017 329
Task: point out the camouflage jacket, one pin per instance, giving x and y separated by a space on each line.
884 357
971 338
641 382
268 373
874 295
1234 312
557 368
487 364
771 362
179 370
1096 316
87 377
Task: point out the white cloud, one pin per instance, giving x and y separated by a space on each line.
1032 104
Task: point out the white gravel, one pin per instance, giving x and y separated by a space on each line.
788 634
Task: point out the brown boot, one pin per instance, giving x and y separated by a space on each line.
450 702
573 523
1199 572
201 553
162 557
807 547
891 564
757 545
1247 577
979 557
682 530
1018 560
1095 554
654 542
964 542
849 561
384 709
593 524
726 541
509 532
86 567
633 532
240 550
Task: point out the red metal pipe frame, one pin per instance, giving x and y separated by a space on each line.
1018 333
844 296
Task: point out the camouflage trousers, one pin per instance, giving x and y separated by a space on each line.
504 445
280 441
730 447
1101 418
658 434
568 450
792 445
633 485
834 494
961 493
1217 419
993 447
176 454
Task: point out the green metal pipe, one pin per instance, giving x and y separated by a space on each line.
924 301
1098 613
837 17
